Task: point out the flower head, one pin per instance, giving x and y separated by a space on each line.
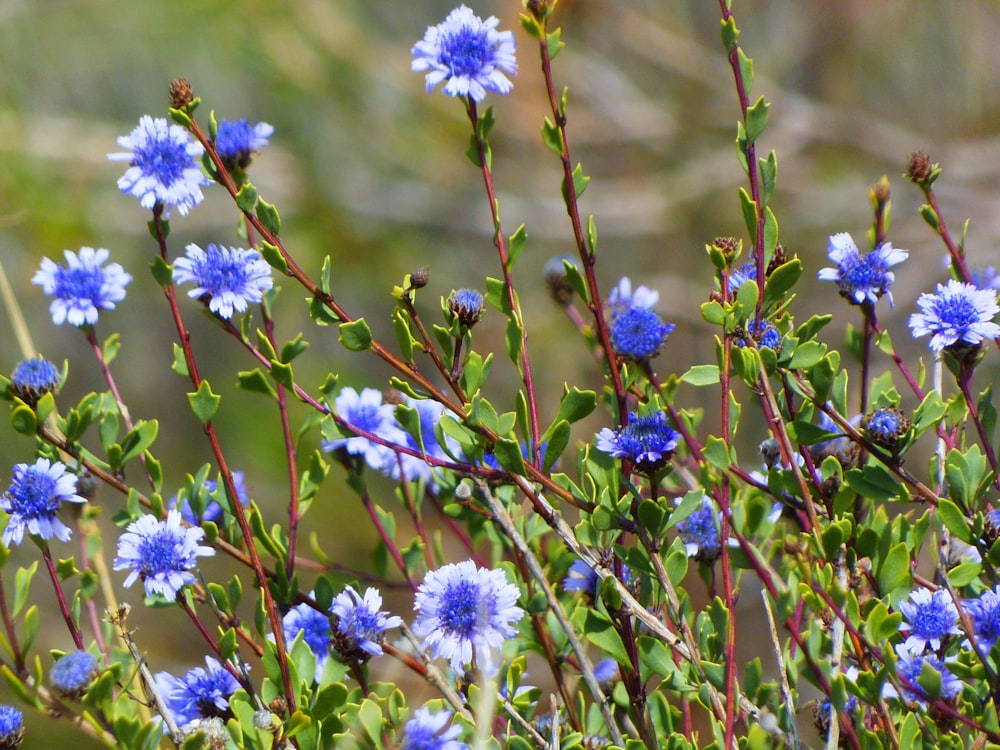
957 314
468 53
212 511
231 278
163 166
467 306
82 287
237 141
361 625
648 441
413 468
931 617
637 333
466 613
885 426
367 412
202 693
35 493
760 333
622 296
315 629
700 532
909 667
740 275
424 732
581 577
73 673
862 278
985 614
33 378
607 673
162 553
554 272
985 278
11 727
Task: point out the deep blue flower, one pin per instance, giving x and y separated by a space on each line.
35 493
985 614
33 378
700 532
648 441
885 426
162 553
930 617
202 693
163 167
315 629
82 287
740 275
957 314
637 333
231 278
11 727
862 278
468 53
465 613
606 673
467 305
361 625
581 577
366 411
426 731
762 334
909 667
73 673
237 141
212 511
622 297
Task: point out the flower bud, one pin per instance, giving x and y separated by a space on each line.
467 305
919 169
181 93
555 278
33 378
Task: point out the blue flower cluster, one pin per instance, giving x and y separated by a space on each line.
637 332
201 693
647 441
862 278
82 287
33 498
226 278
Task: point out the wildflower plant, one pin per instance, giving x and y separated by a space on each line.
600 533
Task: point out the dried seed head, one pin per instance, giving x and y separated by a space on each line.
919 168
181 93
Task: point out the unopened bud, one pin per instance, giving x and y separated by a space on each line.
181 93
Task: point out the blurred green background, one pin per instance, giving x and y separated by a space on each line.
368 168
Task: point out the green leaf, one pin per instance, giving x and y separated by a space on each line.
552 137
273 256
895 569
951 518
508 455
163 272
746 71
580 182
781 279
268 216
139 439
730 34
964 573
356 336
749 209
515 246
255 381
757 119
768 176
204 403
554 43
22 585
576 405
246 198
22 418
601 632
558 439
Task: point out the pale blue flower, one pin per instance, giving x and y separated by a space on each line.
957 314
82 287
162 553
426 731
930 618
366 411
700 532
413 468
862 278
315 629
622 296
202 693
33 498
73 673
361 624
229 278
33 378
909 668
985 614
212 511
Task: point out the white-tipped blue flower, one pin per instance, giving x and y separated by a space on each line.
985 614
315 629
163 166
361 624
229 278
82 287
366 411
35 493
700 532
465 613
862 278
469 53
930 618
909 667
647 441
622 296
162 553
426 731
202 693
957 314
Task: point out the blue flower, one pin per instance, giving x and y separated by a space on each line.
33 378
740 275
237 141
985 278
465 613
761 334
885 426
622 297
202 693
581 577
468 53
862 278
163 166
466 305
637 333
81 287
73 673
413 468
212 511
11 727
361 625
606 673
931 617
35 493
162 553
985 614
957 314
700 532
424 732
648 441
909 667
366 412
231 278
315 629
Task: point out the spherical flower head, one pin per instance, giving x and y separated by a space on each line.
622 297
648 442
237 141
985 615
202 693
73 673
426 731
11 727
162 553
467 52
163 166
909 667
82 287
606 673
700 532
862 278
33 378
465 613
956 314
229 278
361 625
467 305
315 629
212 511
637 334
366 412
930 618
885 426
33 498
